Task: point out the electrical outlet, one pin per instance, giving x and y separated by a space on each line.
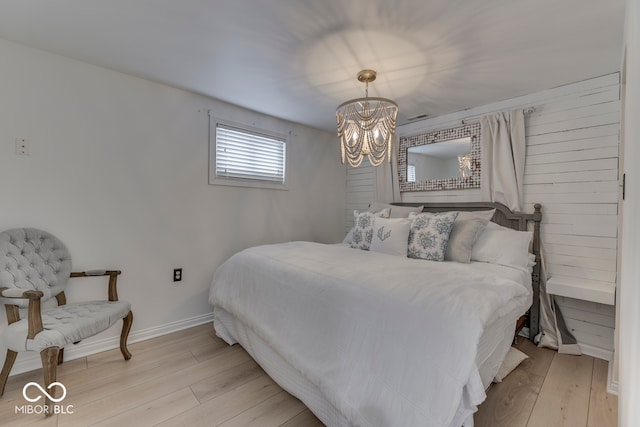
23 146
177 274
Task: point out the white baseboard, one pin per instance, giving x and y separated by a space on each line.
589 350
600 353
597 352
30 361
612 383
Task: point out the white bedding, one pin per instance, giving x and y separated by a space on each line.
387 340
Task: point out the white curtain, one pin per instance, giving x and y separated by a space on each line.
502 154
387 184
554 332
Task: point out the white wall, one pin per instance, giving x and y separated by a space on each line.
118 170
628 350
572 170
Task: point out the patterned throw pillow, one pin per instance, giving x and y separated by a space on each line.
363 228
429 234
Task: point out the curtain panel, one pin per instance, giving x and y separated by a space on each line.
387 182
503 154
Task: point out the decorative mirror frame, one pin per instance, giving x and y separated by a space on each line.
466 130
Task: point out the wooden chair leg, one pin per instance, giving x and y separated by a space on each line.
49 358
127 321
61 356
6 369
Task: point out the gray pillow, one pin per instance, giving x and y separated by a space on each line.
465 232
396 211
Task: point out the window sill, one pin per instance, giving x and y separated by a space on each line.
582 289
249 183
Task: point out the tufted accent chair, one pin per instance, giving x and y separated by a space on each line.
34 267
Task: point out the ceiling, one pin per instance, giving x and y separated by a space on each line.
298 59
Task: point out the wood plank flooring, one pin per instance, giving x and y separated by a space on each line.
192 378
548 390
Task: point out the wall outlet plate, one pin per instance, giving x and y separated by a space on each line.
177 274
23 146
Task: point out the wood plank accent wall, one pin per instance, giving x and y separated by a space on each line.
360 190
572 169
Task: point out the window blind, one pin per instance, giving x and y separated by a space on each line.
249 155
411 173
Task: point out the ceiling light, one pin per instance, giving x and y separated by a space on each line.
366 125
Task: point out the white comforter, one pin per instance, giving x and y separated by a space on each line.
390 341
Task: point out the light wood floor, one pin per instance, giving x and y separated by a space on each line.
192 378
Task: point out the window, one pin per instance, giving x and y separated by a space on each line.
247 157
411 173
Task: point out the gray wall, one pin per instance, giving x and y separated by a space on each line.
119 171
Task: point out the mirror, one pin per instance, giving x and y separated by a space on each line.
446 159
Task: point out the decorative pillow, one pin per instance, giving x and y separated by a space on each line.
503 246
390 236
429 234
488 215
348 239
363 228
493 226
466 229
511 361
396 211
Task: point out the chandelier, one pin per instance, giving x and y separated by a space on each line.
366 125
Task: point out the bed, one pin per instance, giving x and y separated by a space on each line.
371 339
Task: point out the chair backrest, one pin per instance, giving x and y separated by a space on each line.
32 259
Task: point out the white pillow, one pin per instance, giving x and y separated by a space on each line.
395 211
494 226
503 246
391 236
511 361
532 257
349 237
